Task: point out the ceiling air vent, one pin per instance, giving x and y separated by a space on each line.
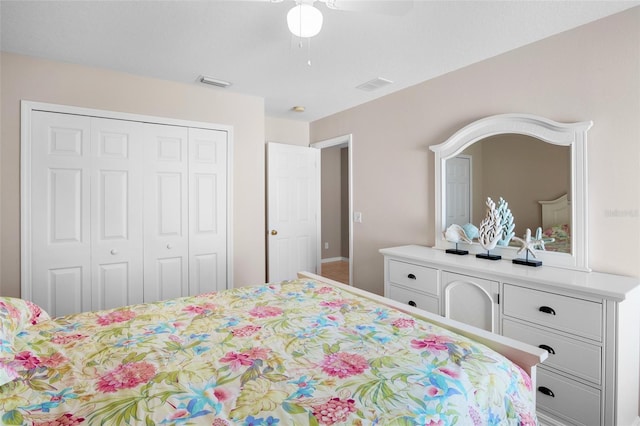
214 81
374 84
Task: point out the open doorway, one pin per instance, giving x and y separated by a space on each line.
335 229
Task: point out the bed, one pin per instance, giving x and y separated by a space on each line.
556 220
307 351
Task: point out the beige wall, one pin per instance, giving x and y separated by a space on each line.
54 82
291 132
590 73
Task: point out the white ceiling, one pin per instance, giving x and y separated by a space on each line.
248 43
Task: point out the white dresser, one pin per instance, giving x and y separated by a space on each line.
589 322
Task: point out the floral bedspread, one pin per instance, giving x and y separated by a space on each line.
560 238
294 353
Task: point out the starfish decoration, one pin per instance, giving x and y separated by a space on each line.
529 244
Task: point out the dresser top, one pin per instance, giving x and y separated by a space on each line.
608 286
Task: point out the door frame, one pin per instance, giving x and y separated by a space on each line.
338 141
26 110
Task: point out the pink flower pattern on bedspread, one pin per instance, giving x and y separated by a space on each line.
299 352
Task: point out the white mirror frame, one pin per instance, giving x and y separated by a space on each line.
573 135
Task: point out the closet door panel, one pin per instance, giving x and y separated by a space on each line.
169 273
116 205
60 212
166 219
122 212
114 285
207 210
64 290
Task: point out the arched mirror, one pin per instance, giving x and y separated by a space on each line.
537 165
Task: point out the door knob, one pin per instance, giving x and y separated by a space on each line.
114 251
169 246
274 232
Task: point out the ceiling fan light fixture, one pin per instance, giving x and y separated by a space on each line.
304 20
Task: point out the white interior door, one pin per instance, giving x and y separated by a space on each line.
292 210
207 211
116 206
458 190
166 223
60 214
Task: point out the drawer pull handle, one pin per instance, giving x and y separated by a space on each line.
547 310
412 303
546 391
411 277
548 349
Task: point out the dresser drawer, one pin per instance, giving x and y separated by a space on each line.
572 356
575 316
413 298
567 399
414 276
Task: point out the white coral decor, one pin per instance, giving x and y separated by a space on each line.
490 227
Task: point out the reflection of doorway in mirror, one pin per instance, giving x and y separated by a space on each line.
458 190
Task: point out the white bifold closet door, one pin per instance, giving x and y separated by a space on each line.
207 210
61 167
124 212
166 233
115 213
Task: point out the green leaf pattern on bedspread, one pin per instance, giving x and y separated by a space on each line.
298 352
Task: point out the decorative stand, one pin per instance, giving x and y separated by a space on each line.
489 256
456 251
527 262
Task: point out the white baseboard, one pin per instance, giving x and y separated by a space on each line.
335 259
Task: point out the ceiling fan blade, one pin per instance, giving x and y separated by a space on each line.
384 7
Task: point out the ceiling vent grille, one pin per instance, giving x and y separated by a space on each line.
374 84
214 81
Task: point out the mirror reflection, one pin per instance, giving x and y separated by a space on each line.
533 176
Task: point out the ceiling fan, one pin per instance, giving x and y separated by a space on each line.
305 20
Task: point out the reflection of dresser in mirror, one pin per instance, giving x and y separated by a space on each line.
587 321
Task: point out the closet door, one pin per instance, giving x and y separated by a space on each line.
60 212
166 214
207 210
116 213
